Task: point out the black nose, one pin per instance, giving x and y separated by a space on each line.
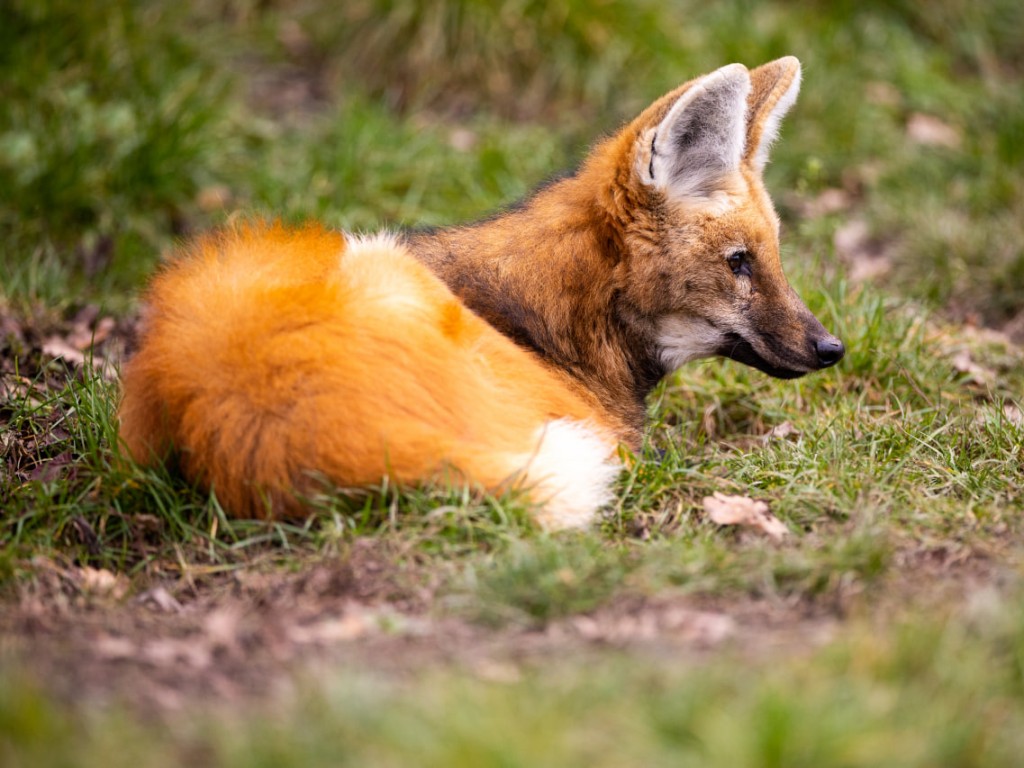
830 351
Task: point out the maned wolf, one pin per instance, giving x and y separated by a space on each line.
513 353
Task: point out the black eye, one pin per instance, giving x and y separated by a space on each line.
739 263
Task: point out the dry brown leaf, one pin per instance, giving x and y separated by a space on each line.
110 647
85 533
1010 413
159 599
462 139
101 582
852 237
84 335
170 652
57 347
351 626
686 624
500 672
222 627
964 363
882 93
11 328
294 38
14 386
983 335
61 348
831 200
60 467
862 254
931 131
216 197
1014 329
724 509
703 627
781 432
1013 414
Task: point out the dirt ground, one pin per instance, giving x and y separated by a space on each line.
249 634
252 633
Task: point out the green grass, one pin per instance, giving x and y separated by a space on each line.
130 125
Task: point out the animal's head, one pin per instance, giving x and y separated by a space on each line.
699 235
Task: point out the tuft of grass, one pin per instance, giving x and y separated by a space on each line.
535 582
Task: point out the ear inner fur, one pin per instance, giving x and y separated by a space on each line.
774 88
701 139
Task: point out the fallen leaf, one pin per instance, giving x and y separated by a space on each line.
222 627
294 38
500 672
704 627
169 652
586 626
462 139
13 386
983 335
101 582
931 131
1010 413
213 198
50 470
882 93
114 648
84 335
351 626
708 422
831 200
781 432
964 363
1013 414
686 624
1014 329
642 627
11 329
861 252
161 599
742 510
65 349
57 347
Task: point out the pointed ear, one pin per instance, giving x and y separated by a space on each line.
774 88
702 137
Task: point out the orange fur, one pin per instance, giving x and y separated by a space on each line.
269 353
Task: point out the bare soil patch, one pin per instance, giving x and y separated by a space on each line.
88 637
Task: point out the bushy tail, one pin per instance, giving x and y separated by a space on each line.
271 357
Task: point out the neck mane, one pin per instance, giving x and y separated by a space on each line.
549 276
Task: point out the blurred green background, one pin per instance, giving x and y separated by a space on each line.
126 124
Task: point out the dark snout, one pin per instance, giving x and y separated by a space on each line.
769 352
785 342
830 351
822 349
